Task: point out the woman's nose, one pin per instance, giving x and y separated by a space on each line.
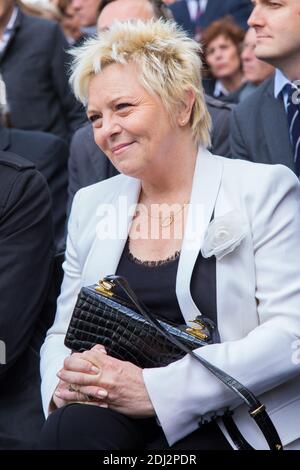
110 127
218 53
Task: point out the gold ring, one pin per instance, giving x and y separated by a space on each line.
87 397
72 389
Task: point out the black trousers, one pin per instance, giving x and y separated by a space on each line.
85 427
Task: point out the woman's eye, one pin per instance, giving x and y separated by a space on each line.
122 105
94 117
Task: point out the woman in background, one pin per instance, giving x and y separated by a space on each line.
222 42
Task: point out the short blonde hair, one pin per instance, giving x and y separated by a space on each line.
169 62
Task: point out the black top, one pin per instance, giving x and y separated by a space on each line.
155 282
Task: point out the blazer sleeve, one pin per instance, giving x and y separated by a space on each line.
262 359
220 132
53 351
26 256
73 110
237 143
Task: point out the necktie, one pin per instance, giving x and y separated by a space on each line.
293 115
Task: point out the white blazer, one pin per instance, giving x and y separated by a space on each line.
258 294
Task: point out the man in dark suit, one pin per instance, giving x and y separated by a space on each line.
33 66
49 154
266 126
26 258
186 12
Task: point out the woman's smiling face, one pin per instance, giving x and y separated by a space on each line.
131 126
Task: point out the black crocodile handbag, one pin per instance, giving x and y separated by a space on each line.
130 332
102 317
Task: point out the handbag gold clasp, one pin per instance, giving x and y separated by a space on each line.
197 332
105 287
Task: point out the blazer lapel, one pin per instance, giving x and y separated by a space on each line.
116 213
206 184
274 120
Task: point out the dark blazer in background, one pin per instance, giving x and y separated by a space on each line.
259 129
50 156
89 165
33 67
26 258
233 97
239 9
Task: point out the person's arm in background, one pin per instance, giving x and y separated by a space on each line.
237 143
73 111
26 255
220 113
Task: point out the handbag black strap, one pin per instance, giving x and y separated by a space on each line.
256 410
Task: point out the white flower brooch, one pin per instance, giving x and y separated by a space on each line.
224 234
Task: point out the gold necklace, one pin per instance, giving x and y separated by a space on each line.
169 219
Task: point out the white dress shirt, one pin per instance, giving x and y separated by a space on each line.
193 6
280 82
8 30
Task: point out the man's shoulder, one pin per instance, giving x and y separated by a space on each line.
218 104
255 101
36 137
36 23
37 145
33 138
82 133
39 32
14 174
11 162
83 141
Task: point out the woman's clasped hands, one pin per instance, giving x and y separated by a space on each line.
95 378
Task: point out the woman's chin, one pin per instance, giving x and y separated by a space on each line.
128 169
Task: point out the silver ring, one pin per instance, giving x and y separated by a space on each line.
72 389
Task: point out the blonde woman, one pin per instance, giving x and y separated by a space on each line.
228 248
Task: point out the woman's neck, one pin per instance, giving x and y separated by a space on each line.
233 82
173 182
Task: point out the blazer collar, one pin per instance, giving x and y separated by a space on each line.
105 254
